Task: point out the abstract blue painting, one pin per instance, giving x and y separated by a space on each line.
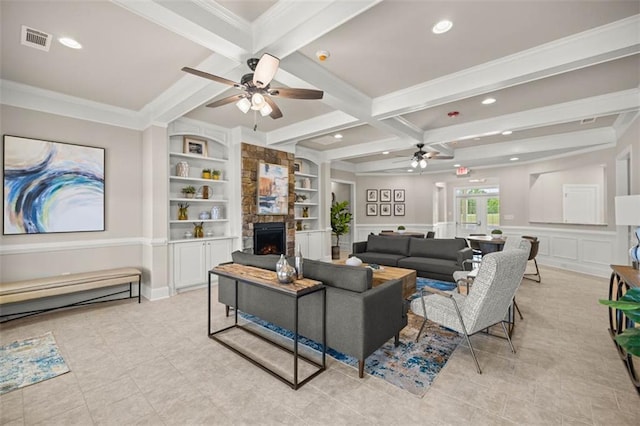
52 187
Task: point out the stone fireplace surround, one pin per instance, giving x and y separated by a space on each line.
252 155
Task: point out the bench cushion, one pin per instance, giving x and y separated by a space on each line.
19 291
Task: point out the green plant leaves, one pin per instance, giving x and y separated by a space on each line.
630 340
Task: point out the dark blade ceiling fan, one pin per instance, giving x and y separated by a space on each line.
420 157
256 92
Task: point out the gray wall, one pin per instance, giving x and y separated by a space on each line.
39 255
514 183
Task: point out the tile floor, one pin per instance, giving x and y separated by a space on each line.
153 364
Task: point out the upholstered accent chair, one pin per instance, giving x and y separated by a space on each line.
487 303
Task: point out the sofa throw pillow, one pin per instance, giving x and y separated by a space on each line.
390 245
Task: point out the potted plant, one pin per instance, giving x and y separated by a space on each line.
629 304
401 229
189 191
215 174
496 233
340 219
206 173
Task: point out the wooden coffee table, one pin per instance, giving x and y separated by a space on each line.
387 273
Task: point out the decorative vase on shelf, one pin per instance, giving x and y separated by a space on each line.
183 213
198 231
182 169
215 212
204 215
305 212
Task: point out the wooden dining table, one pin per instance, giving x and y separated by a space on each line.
487 243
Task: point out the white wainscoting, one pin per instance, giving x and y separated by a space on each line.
585 251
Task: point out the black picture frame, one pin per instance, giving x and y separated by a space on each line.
398 209
385 209
398 196
372 195
372 210
385 195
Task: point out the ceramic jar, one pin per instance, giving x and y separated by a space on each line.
182 169
215 212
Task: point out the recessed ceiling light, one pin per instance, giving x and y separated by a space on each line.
488 101
69 42
476 139
456 165
385 152
410 170
442 26
513 159
507 132
338 136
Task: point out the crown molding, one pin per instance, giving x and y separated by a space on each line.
29 97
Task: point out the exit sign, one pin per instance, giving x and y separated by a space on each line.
462 171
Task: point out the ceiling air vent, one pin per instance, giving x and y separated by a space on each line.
35 38
588 120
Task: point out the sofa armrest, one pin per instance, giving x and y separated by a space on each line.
463 254
362 322
359 247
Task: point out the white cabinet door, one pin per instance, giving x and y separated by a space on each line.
189 264
315 245
217 252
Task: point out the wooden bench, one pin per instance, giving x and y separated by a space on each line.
22 291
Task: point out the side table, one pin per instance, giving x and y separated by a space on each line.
266 279
623 278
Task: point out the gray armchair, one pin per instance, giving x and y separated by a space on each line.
487 302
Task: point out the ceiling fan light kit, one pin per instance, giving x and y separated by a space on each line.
257 92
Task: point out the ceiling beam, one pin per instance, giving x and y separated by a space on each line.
316 126
601 44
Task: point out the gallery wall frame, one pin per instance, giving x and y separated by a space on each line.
385 209
398 209
273 189
52 187
385 195
194 146
398 195
372 195
372 210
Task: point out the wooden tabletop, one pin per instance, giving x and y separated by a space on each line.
266 278
486 239
628 274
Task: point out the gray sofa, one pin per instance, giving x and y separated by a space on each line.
435 258
359 318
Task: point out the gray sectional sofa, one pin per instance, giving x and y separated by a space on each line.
359 318
436 258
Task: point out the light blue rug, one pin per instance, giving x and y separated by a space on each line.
410 366
30 361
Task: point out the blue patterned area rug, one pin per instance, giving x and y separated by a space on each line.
30 361
410 366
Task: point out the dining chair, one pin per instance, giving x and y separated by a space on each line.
535 244
487 303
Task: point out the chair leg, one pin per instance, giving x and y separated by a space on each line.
226 310
517 308
473 354
424 312
537 274
504 328
361 368
396 340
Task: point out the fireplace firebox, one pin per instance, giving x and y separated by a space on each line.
269 238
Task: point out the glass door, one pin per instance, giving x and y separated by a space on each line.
477 210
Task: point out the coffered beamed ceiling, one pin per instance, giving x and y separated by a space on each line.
388 83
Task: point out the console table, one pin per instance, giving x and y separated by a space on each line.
622 279
266 279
